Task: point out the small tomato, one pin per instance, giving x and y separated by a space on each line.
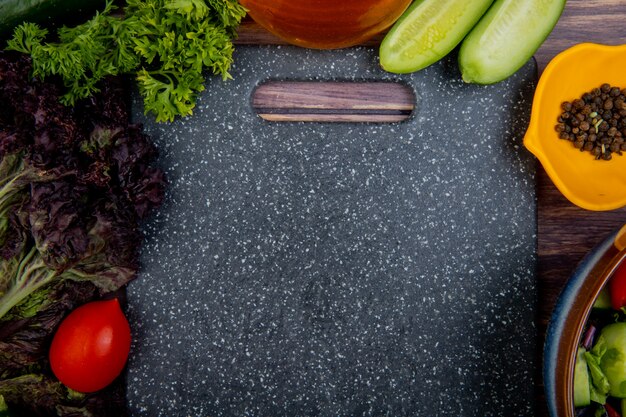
617 287
90 348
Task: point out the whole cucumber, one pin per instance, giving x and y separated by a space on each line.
427 31
506 37
48 13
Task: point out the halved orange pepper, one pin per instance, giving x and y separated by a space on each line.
589 183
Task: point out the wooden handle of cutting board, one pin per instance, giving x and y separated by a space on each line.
375 102
330 101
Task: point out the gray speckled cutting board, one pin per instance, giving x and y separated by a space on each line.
319 269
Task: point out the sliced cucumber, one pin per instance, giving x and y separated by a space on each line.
427 31
582 390
603 302
506 37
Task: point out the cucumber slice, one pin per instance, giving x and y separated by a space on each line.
506 37
603 302
427 31
582 390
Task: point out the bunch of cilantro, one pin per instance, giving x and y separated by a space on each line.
166 44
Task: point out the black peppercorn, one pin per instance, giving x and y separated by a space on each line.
595 122
604 126
596 151
598 101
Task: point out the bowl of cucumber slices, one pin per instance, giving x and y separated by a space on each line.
584 361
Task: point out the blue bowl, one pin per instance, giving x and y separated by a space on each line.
568 320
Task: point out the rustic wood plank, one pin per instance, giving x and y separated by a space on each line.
598 21
250 33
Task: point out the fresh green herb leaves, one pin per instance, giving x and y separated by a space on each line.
166 44
83 56
178 39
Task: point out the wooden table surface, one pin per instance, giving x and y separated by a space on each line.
565 232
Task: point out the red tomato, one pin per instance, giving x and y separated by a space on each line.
91 346
617 287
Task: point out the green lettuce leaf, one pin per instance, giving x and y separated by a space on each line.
600 386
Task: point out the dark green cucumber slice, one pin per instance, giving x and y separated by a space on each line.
427 31
603 302
49 13
582 390
506 37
